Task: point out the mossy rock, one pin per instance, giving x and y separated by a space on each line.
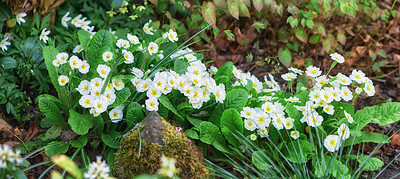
158 138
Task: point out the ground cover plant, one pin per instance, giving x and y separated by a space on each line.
93 85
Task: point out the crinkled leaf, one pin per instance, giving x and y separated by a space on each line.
57 148
165 102
80 142
314 39
122 96
260 160
134 113
301 35
297 151
192 134
230 123
80 123
210 134
363 137
371 164
51 111
111 139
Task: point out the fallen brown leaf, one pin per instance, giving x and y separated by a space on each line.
32 132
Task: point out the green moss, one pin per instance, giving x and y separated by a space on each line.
175 144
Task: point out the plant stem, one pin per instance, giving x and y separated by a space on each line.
109 75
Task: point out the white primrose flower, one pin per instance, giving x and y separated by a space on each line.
335 93
44 35
262 119
98 169
344 80
116 114
295 70
369 88
62 80
9 158
293 99
314 119
110 95
329 109
86 101
344 132
4 44
320 81
20 17
152 92
137 72
289 76
146 28
313 71
337 57
161 56
332 143
346 94
84 87
75 62
247 112
77 21
121 43
135 81
62 57
358 90
65 19
152 104
143 85
315 95
262 132
133 39
268 107
77 49
103 70
128 56
294 134
191 58
84 68
100 105
327 95
56 62
278 121
348 117
95 92
213 70
357 76
85 25
172 36
253 137
96 83
107 56
249 125
118 84
219 92
152 48
288 123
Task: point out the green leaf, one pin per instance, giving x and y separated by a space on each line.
231 122
310 23
384 114
297 151
111 139
122 96
180 67
236 98
194 121
84 38
331 166
53 99
326 45
165 102
260 160
56 149
363 137
341 38
292 21
208 12
220 3
51 111
225 70
301 35
293 112
233 9
351 11
371 164
52 133
382 53
80 142
285 57
192 134
244 10
8 63
101 42
134 113
49 54
80 123
210 134
258 4
314 39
